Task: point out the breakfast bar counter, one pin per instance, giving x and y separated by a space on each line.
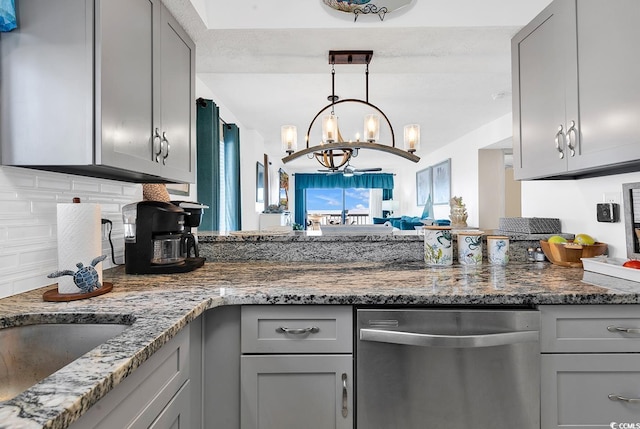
162 305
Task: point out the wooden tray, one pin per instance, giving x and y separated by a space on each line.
53 295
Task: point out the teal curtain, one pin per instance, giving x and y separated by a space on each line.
208 162
231 135
305 181
7 15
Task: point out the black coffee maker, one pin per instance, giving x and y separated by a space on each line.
156 239
193 217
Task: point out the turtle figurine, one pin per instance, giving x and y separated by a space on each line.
86 278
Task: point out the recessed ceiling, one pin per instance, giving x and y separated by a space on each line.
443 64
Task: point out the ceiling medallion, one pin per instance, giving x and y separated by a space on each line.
366 7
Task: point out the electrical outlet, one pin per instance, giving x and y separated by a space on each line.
612 197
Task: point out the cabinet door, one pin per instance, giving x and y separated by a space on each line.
125 67
608 35
544 81
176 415
576 389
296 391
176 122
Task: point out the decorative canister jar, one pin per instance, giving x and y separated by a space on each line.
438 245
470 247
498 249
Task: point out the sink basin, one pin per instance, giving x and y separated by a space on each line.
30 353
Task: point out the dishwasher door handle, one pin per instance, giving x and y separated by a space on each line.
450 341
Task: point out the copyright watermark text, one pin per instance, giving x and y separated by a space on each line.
615 425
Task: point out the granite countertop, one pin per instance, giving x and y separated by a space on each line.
161 305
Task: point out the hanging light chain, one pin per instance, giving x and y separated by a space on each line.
333 86
366 73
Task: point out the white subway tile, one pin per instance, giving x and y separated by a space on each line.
31 283
48 182
42 207
6 289
26 232
8 262
17 177
15 207
39 256
28 198
132 191
82 186
108 188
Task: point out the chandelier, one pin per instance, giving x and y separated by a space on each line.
333 151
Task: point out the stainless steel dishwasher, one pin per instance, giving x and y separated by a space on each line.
454 369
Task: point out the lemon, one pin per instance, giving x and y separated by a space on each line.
584 239
556 239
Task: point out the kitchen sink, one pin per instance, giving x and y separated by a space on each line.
29 353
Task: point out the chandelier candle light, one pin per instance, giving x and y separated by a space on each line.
289 136
333 152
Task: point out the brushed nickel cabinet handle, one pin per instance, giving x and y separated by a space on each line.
560 147
614 397
298 331
156 136
345 409
625 330
167 145
570 145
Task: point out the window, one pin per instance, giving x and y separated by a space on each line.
339 205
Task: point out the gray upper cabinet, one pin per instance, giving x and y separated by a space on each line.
102 88
575 90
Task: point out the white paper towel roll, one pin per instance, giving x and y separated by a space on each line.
79 240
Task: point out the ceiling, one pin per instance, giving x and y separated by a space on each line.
444 64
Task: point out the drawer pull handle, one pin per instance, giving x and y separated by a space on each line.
345 410
560 147
571 146
625 330
298 331
623 399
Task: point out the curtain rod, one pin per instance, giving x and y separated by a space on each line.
203 103
293 174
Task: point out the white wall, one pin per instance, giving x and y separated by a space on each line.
464 170
574 202
28 237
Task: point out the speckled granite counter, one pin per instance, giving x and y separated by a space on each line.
161 305
401 246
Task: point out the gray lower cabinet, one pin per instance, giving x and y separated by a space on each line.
589 390
111 91
590 365
297 391
296 369
574 90
159 394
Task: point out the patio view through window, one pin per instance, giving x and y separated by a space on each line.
335 206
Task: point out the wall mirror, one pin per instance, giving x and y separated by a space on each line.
631 199
259 182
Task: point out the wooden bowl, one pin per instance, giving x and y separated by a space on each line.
569 254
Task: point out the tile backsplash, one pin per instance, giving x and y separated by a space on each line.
28 243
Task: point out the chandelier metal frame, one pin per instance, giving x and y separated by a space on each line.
324 152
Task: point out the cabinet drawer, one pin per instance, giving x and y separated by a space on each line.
576 389
296 329
590 329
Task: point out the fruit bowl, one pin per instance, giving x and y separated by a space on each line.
568 254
